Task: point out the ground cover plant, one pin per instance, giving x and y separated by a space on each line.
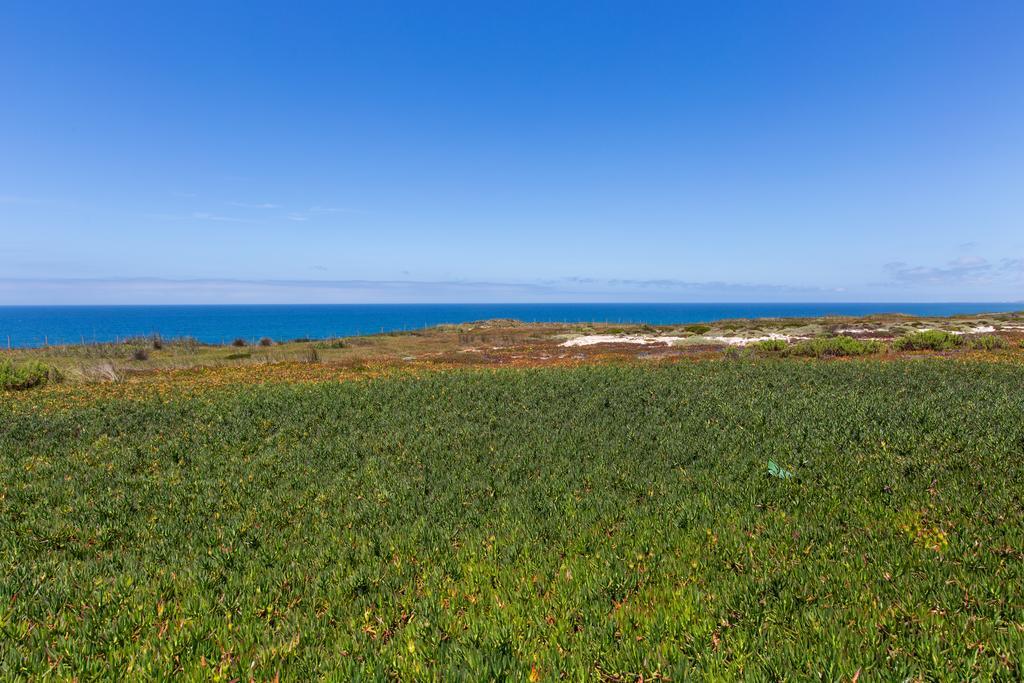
25 375
828 347
592 522
821 347
928 340
987 342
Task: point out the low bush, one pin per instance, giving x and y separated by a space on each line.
698 329
26 375
987 342
829 347
266 341
140 354
929 340
239 342
770 346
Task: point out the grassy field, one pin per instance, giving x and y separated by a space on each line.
603 522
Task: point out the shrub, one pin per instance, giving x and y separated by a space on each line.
239 342
931 340
829 347
158 342
141 354
335 344
770 346
237 356
266 341
311 356
26 375
698 329
987 342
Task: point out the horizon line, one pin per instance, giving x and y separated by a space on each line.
546 303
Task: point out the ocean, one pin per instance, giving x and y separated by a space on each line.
23 326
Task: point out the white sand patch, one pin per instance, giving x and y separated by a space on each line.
591 339
980 329
743 341
855 330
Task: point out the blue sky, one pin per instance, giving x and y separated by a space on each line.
224 151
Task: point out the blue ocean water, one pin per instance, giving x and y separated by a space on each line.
22 326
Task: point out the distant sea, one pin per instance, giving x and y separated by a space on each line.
22 326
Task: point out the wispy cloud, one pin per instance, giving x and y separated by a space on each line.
963 271
264 205
242 290
297 216
333 209
317 211
198 216
668 284
113 290
205 216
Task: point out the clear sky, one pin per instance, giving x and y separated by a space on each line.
204 152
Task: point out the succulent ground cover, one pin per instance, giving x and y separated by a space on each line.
762 517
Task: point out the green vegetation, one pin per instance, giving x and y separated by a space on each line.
770 346
987 342
763 519
938 340
821 347
697 329
25 375
827 347
929 340
331 344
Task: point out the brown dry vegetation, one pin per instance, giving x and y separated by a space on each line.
492 343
